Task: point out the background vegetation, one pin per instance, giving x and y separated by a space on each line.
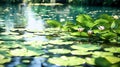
74 2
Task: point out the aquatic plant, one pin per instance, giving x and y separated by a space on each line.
103 28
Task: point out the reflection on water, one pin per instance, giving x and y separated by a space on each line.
15 61
8 25
33 24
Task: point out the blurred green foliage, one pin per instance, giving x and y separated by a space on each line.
104 28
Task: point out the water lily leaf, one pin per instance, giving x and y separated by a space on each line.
102 62
4 53
90 60
84 34
102 54
5 60
112 59
106 17
79 34
2 66
75 33
25 61
18 52
2 56
80 52
68 23
114 25
85 20
113 49
85 47
66 28
66 61
53 23
108 35
102 22
60 42
59 51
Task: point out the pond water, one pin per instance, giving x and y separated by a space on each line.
25 41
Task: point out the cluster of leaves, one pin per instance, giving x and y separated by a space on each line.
105 27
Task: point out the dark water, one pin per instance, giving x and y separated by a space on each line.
34 17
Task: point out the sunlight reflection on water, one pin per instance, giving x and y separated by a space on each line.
34 24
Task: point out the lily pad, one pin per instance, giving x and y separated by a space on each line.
5 60
90 61
113 59
85 47
1 56
66 61
113 49
80 52
1 42
60 42
59 51
25 61
18 52
1 65
102 54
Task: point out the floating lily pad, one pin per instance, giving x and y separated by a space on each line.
18 52
59 51
85 47
60 42
113 49
5 60
102 54
66 61
52 29
36 43
7 33
1 42
80 52
113 59
4 53
34 52
11 37
25 61
90 61
1 56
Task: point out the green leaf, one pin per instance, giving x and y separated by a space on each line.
66 61
102 22
108 35
53 23
84 34
113 49
85 20
106 17
59 51
75 33
102 62
114 25
112 59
